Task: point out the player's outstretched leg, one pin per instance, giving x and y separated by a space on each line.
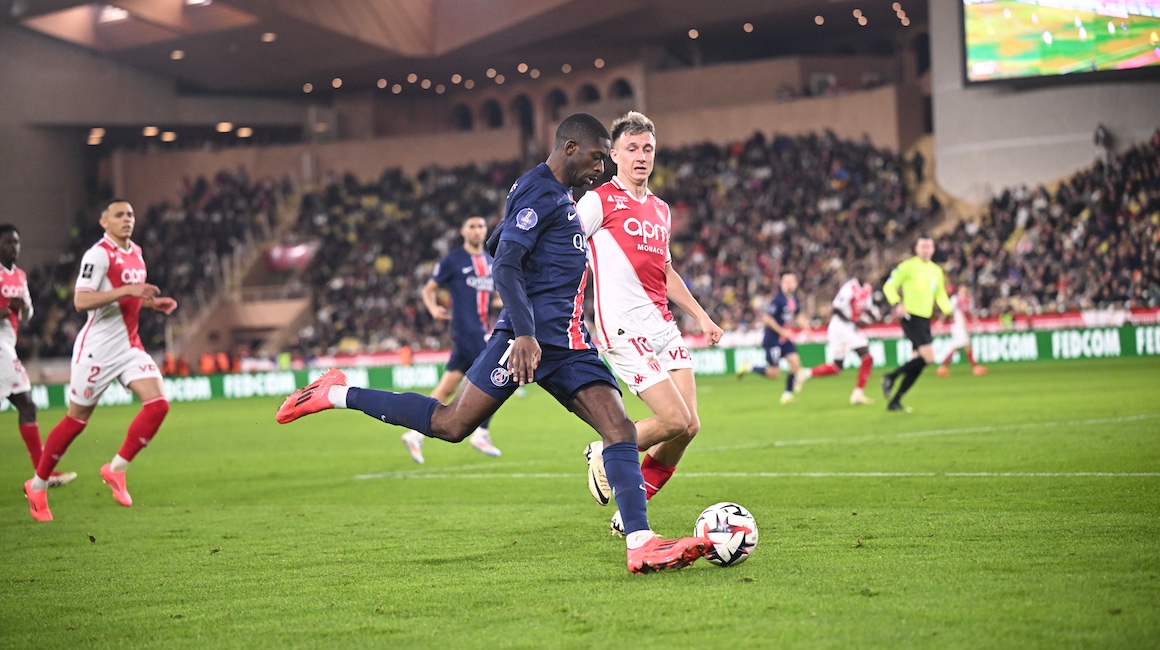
314 397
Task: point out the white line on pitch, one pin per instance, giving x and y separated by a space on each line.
932 433
577 477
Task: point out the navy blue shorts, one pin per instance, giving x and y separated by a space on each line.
464 353
775 352
562 372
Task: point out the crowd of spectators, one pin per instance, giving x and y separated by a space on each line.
743 213
184 245
379 243
816 205
1093 242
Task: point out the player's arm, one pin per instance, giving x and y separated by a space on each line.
509 281
591 212
773 325
437 311
680 294
940 295
890 288
163 304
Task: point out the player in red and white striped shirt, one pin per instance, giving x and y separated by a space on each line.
112 289
633 279
853 304
15 310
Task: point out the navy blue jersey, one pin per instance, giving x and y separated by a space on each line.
468 279
782 309
541 217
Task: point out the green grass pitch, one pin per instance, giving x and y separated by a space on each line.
1019 509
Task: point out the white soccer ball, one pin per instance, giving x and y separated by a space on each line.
733 531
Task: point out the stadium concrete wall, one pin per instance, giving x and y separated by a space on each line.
51 94
995 136
989 348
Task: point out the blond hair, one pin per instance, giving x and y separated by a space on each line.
632 123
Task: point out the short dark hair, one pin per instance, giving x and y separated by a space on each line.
105 206
6 228
581 128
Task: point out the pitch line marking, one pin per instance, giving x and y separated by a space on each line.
577 477
932 433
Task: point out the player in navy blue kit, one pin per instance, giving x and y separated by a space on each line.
783 312
466 274
540 268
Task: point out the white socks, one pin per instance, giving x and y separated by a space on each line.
337 396
638 539
39 484
118 464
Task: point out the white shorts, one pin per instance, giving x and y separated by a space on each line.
643 361
92 376
13 378
960 338
844 337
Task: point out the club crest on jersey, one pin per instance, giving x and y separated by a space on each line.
653 364
500 376
527 219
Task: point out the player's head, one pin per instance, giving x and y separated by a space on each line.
118 219
634 143
582 144
924 247
789 282
474 231
9 244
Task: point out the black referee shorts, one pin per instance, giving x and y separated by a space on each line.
917 330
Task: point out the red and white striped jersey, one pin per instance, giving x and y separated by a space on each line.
111 328
854 300
13 284
629 242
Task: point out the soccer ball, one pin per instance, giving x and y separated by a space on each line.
733 531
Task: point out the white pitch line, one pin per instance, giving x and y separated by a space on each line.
576 477
932 433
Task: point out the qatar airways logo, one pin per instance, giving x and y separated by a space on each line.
133 276
11 291
480 284
646 231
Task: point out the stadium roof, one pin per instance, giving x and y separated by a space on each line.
275 46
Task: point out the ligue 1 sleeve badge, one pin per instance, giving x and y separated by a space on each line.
526 219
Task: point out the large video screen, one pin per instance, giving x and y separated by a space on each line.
1015 39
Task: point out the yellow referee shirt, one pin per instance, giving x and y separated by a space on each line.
922 284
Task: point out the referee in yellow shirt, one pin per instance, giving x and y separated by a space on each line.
923 285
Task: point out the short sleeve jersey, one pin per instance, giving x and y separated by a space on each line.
468 279
854 300
782 309
541 217
13 284
629 240
113 327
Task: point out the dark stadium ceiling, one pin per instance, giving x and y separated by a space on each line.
276 46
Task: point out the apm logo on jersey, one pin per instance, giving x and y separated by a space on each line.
133 276
647 232
11 291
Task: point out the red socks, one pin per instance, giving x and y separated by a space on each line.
655 475
864 371
31 434
971 357
58 441
825 369
144 427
